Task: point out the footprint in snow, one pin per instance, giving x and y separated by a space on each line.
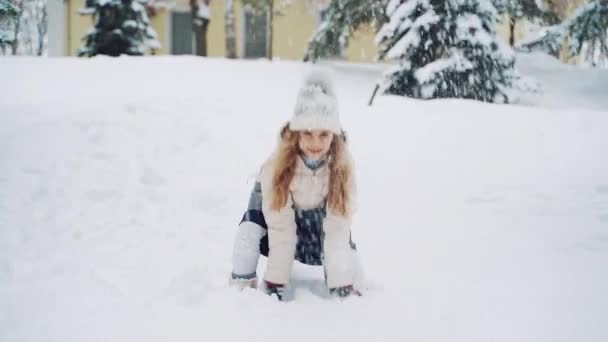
601 189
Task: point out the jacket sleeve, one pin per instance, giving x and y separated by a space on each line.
282 229
340 259
339 256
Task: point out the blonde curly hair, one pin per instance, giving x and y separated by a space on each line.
340 172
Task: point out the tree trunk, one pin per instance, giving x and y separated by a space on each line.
270 25
604 53
199 27
512 32
371 100
230 31
15 43
201 38
42 31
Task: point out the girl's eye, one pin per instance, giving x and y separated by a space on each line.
324 135
307 134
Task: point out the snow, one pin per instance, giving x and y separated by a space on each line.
391 6
398 16
6 35
129 24
425 75
7 7
203 10
122 181
412 37
589 84
469 28
86 11
487 7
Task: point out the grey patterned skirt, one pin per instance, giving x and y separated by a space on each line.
309 222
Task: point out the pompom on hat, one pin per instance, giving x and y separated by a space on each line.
316 104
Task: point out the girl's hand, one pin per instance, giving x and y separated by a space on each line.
345 291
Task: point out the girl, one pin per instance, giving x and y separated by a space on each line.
302 202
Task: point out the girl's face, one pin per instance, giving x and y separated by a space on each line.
315 143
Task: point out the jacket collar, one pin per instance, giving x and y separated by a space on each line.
303 168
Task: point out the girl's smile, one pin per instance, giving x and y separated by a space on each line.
314 144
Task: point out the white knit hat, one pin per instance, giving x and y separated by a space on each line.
316 105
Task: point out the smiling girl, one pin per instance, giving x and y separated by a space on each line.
301 205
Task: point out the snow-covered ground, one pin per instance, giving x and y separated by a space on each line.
122 182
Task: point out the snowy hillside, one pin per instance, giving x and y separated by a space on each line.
122 182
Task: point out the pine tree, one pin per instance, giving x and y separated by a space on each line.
517 9
588 32
121 27
446 48
339 20
8 14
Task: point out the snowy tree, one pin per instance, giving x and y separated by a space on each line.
32 33
515 10
588 33
550 41
339 20
121 27
26 27
446 48
8 15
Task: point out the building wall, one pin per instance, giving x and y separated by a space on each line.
161 25
361 46
569 8
564 8
78 26
522 28
239 29
216 32
293 27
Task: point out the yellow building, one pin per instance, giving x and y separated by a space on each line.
292 26
282 34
